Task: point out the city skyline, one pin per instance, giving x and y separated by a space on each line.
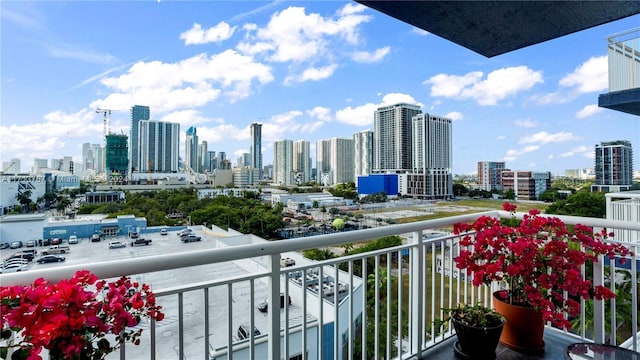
222 66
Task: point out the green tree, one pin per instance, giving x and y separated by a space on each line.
24 198
510 194
459 190
585 204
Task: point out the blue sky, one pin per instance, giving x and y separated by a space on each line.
306 70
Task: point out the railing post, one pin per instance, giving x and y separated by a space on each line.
598 305
416 295
274 307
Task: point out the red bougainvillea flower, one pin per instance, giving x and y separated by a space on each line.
68 317
538 259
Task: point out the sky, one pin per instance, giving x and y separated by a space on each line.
308 70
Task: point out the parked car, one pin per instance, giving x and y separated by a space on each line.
73 239
191 238
50 258
30 243
116 244
140 241
16 244
4 246
56 249
46 242
243 332
163 231
95 238
264 306
13 261
25 254
134 234
56 241
185 232
15 268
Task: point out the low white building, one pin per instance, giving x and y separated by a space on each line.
624 206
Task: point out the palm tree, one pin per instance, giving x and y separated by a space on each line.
24 198
63 203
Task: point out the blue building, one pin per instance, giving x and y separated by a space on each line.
376 183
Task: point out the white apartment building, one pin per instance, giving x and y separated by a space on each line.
335 161
392 138
283 162
301 161
159 146
363 147
624 206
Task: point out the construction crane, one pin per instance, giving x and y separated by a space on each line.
107 113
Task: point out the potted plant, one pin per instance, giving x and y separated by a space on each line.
478 329
72 318
538 262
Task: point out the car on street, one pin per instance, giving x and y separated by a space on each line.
4 246
185 232
15 261
140 242
50 258
134 234
116 244
73 239
15 244
31 243
163 231
25 254
56 241
191 238
95 238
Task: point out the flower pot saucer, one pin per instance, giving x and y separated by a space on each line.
457 349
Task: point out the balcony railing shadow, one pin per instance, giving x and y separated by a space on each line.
209 295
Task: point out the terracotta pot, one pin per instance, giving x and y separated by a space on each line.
476 342
524 329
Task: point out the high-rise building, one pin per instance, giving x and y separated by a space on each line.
526 185
159 146
283 162
614 166
11 167
38 164
363 143
92 157
392 138
202 156
335 161
432 158
301 162
191 149
117 162
256 147
490 175
210 161
138 113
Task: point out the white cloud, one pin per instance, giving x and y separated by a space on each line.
42 139
312 74
363 115
580 150
419 31
294 35
526 123
588 111
498 85
196 35
544 137
320 113
188 83
590 76
513 154
454 116
501 137
370 57
68 51
187 118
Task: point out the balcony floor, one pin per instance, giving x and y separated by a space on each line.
555 346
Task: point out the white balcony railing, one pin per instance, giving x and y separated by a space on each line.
624 60
332 312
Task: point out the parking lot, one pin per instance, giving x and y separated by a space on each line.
87 252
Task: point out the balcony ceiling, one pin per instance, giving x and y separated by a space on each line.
492 28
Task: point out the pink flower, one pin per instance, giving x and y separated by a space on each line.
538 259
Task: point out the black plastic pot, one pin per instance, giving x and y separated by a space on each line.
476 342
